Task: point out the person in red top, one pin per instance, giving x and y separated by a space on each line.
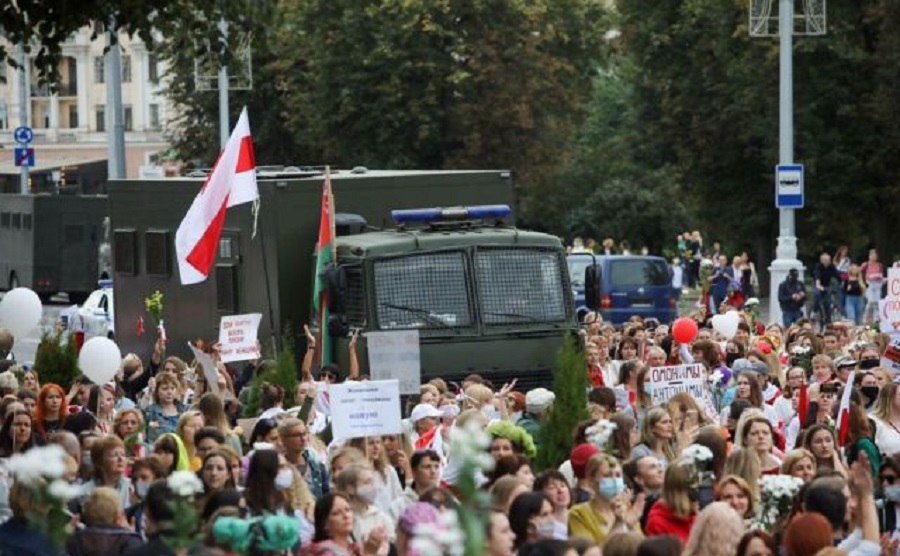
594 369
873 274
674 513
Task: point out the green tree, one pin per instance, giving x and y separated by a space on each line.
570 384
56 360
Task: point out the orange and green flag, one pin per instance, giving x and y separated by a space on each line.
325 255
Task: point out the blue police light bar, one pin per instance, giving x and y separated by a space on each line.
103 284
428 215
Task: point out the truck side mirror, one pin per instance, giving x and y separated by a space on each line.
592 287
336 287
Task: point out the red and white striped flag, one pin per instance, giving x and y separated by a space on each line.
161 330
231 182
843 416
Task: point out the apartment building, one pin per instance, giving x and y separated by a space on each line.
70 125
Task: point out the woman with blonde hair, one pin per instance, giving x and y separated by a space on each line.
717 532
357 483
657 437
189 423
386 480
343 457
213 410
735 491
611 509
675 512
886 416
800 463
164 413
504 491
745 464
399 449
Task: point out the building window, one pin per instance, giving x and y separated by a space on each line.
73 116
99 68
129 121
154 116
126 69
101 117
153 69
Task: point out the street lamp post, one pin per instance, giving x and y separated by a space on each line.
763 24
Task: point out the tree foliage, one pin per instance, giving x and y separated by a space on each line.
570 384
56 360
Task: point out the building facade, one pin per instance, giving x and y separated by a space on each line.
70 125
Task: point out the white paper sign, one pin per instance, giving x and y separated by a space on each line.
889 307
210 372
395 355
370 408
891 356
237 337
671 380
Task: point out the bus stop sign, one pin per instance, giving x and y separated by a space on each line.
789 186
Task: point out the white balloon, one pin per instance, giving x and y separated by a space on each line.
20 312
726 324
99 359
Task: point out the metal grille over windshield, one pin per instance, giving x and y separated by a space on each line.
520 286
423 291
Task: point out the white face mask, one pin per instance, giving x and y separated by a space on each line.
284 479
367 493
141 488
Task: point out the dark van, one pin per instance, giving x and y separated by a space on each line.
629 285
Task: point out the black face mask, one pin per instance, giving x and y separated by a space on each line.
870 392
730 358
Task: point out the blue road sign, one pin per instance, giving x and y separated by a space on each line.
24 156
789 191
23 135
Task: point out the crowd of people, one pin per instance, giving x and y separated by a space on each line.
789 410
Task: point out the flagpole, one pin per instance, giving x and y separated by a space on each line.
274 338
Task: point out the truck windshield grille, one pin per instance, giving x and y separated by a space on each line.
427 291
520 286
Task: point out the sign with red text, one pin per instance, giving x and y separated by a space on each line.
889 307
891 356
664 382
237 337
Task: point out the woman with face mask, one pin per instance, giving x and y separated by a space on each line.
611 510
357 482
531 519
268 478
889 499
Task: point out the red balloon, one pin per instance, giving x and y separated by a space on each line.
684 330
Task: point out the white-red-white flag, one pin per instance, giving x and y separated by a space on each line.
843 416
231 182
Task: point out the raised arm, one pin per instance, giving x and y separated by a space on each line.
306 366
354 359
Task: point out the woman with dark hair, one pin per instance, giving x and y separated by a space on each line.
632 374
271 399
859 438
215 473
819 440
531 518
757 434
620 440
517 465
213 410
555 486
265 430
263 492
50 413
711 437
170 449
333 534
102 403
18 434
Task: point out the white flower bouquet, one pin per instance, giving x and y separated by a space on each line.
463 533
185 486
40 471
776 493
599 433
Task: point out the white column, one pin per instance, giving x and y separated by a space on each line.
53 131
83 59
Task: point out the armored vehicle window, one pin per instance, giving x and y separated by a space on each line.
4 219
423 291
519 286
125 251
17 220
156 252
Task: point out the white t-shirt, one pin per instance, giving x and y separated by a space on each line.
887 438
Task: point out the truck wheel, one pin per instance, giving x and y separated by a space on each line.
13 281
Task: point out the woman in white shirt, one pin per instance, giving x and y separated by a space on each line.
887 419
387 481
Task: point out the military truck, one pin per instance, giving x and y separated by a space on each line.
483 295
50 243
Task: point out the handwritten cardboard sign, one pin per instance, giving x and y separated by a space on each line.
665 382
237 337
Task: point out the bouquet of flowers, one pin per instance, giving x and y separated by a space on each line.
185 486
701 458
40 472
154 306
801 356
599 433
776 493
716 389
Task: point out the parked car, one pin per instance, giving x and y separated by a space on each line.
95 317
629 285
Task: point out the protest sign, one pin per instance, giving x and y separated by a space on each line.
891 356
237 337
395 355
370 408
664 382
889 307
210 372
